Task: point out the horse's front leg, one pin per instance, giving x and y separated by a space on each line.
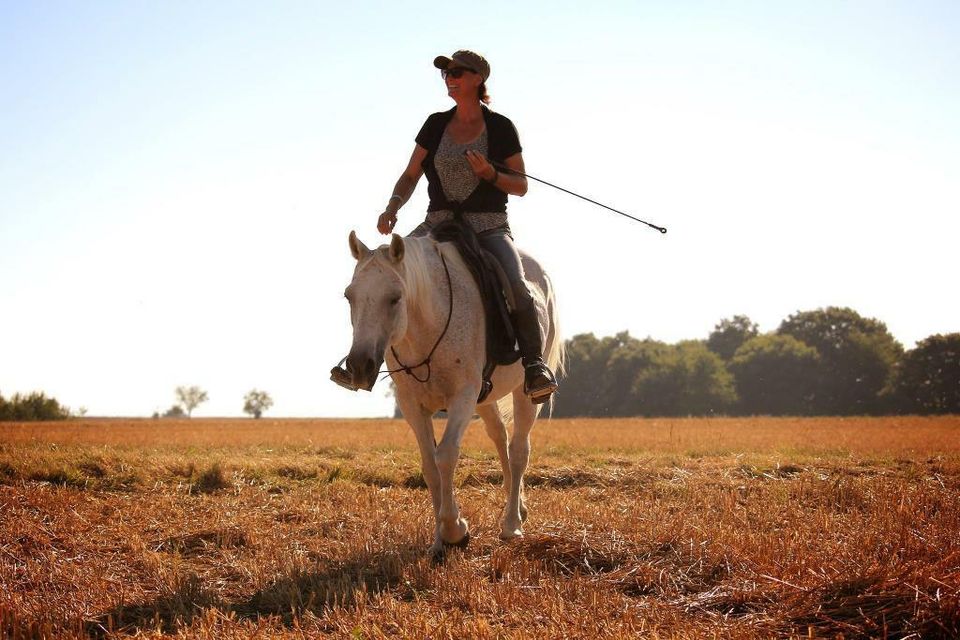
421 421
452 529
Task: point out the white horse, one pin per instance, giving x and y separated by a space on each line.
401 299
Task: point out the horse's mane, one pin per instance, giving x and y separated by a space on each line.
418 277
416 270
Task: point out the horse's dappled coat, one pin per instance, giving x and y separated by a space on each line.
399 298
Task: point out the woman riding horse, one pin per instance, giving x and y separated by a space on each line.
452 149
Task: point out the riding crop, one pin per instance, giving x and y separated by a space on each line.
527 175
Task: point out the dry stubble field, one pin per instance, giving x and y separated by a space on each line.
732 528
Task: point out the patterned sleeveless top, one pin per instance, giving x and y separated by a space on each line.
459 181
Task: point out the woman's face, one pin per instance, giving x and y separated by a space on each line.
461 82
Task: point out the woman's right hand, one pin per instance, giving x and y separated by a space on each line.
386 222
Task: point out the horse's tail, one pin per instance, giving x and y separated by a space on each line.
556 354
505 407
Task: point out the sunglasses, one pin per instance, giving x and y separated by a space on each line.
456 72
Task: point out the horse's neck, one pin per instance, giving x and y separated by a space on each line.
427 315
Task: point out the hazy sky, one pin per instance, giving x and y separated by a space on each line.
178 180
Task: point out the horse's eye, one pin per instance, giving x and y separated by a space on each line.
394 300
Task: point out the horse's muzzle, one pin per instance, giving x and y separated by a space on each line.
363 370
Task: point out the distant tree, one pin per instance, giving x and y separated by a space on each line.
599 375
190 398
586 359
630 357
729 334
32 406
927 378
256 402
857 356
175 411
687 379
775 375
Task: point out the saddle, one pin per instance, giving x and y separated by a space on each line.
495 293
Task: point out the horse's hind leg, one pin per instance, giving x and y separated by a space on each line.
524 415
497 431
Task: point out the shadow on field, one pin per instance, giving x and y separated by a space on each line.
340 583
180 603
665 569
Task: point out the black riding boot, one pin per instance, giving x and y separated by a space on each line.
538 381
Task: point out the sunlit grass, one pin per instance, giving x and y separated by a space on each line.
664 528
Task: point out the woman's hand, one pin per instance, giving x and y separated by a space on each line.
480 165
387 222
402 190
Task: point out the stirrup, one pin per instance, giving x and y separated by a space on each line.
539 382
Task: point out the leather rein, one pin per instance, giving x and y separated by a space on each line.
408 369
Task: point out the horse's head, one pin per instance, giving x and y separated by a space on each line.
377 307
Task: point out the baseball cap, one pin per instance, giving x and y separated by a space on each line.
469 59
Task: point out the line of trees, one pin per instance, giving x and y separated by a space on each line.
38 406
31 406
830 361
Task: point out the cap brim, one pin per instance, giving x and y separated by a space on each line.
443 62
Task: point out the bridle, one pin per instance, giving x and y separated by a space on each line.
408 369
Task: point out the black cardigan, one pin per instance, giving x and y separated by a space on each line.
502 142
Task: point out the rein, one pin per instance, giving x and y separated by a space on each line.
408 369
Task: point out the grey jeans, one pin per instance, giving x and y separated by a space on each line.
499 242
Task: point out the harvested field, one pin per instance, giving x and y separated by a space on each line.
683 528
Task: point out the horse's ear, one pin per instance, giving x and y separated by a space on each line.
396 248
357 248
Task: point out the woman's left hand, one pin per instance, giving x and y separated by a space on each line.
480 165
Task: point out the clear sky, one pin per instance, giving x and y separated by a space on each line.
178 180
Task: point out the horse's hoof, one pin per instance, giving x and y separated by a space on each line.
511 534
460 544
438 553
